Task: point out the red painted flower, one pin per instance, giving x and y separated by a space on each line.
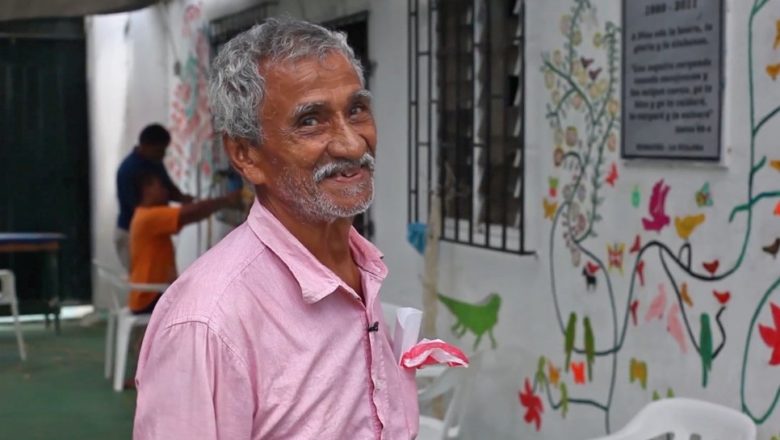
532 404
771 336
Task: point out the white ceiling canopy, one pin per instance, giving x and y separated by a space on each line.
26 9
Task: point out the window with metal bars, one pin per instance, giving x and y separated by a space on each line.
466 112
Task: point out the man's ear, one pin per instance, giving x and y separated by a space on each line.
245 158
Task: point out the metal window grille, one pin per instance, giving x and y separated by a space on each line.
466 111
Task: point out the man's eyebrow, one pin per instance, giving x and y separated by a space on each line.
362 95
306 108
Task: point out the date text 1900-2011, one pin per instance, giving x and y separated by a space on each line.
678 5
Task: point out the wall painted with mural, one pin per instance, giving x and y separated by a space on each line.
662 276
651 279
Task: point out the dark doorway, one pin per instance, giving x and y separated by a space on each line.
44 152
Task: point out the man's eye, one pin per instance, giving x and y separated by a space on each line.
356 110
309 121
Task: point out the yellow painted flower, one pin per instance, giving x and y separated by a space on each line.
613 107
576 39
555 97
565 24
597 39
580 73
549 79
571 135
602 85
612 142
593 91
557 58
576 101
577 70
558 157
558 137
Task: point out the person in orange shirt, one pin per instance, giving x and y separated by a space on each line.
152 257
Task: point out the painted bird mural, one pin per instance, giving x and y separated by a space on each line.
590 279
705 348
568 343
657 306
638 372
613 175
479 318
564 400
633 308
686 225
578 371
771 335
615 256
675 328
590 347
685 295
772 248
657 208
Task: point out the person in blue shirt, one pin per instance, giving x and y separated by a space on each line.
147 155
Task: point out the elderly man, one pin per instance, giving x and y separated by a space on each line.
275 333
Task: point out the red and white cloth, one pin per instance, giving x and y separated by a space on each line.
431 352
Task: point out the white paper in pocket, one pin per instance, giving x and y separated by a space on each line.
407 330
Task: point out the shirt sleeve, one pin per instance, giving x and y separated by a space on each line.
163 220
192 385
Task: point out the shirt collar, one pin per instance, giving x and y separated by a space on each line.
316 280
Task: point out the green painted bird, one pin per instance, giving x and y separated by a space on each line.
705 347
571 330
564 399
479 318
541 378
590 347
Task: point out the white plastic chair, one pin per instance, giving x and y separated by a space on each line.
8 297
121 321
461 382
685 418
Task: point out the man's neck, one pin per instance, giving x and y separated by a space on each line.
144 152
327 241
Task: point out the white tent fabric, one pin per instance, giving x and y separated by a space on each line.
26 9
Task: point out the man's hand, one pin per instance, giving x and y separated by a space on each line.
186 199
200 210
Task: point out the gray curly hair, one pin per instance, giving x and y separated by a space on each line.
236 85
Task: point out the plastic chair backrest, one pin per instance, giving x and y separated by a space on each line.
117 284
461 382
686 418
120 287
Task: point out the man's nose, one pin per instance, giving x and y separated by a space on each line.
346 142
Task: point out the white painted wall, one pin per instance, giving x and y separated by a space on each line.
528 325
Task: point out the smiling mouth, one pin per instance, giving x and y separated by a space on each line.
349 173
350 176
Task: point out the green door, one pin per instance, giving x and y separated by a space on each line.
44 154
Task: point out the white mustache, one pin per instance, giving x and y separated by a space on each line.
343 165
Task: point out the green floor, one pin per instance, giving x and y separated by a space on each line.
60 391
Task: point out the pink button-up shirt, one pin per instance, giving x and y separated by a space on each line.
259 340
